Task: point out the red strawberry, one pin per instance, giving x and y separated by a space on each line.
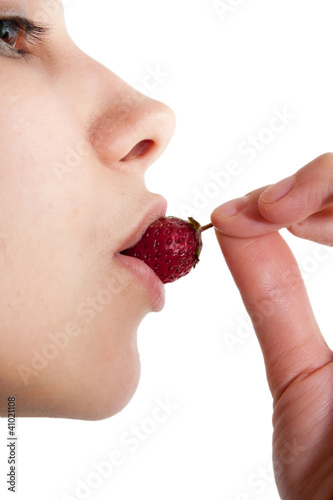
170 246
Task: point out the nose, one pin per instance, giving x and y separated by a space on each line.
123 125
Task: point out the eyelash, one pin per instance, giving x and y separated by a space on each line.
34 33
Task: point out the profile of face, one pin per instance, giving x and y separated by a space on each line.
75 143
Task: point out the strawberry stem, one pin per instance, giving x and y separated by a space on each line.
203 228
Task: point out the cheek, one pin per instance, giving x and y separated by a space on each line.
39 213
42 136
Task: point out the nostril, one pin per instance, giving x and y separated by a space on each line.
140 149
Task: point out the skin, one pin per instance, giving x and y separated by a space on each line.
62 218
299 363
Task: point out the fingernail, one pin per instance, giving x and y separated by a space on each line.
278 191
231 207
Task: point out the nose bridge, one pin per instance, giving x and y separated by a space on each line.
121 123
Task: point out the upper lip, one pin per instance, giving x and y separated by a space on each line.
154 211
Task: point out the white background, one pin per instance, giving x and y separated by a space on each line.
224 75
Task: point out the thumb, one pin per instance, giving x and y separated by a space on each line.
271 286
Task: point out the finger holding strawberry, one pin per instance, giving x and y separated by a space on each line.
303 203
299 363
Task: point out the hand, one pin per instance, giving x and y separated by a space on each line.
298 361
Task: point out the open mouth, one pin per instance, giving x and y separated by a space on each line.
154 212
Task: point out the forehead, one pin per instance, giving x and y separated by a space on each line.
12 5
25 5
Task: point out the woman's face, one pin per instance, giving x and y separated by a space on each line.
75 143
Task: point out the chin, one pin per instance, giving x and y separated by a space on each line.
112 399
93 388
110 385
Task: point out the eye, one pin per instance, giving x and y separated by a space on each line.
18 34
9 32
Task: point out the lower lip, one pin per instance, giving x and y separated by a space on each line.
146 277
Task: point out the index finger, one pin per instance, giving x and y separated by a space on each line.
304 196
297 197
